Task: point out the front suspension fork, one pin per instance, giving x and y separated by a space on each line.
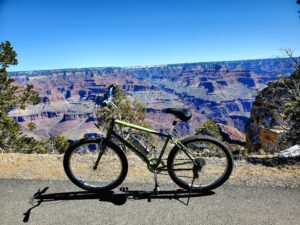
102 146
104 141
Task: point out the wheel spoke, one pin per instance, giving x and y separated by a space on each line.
81 162
212 166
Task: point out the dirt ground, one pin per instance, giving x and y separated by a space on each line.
50 167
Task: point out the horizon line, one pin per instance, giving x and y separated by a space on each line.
145 66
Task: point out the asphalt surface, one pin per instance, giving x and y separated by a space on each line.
60 202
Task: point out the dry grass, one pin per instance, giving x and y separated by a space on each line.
50 167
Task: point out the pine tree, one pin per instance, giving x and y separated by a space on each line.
11 97
130 110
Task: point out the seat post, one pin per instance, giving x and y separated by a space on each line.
173 126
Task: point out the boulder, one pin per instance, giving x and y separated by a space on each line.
291 152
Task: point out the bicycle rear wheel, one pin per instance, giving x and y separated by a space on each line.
214 161
79 162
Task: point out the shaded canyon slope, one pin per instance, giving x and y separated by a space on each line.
222 91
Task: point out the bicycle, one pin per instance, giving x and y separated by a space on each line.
196 163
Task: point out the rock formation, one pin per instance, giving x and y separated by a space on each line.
222 91
274 123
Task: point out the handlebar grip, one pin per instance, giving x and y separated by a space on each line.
114 86
111 88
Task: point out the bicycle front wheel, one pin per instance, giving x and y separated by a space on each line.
79 164
214 164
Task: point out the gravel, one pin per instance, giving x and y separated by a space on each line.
255 171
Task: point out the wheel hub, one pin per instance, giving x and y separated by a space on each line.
199 164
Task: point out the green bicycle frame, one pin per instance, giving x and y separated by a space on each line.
111 132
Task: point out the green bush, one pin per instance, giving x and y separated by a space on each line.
210 128
60 144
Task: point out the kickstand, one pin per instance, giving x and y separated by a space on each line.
156 186
194 178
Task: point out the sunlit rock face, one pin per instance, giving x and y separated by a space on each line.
222 91
269 128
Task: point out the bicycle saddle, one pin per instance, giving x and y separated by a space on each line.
181 113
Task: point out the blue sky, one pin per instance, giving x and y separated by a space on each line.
52 34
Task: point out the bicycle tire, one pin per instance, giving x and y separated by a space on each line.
208 169
81 153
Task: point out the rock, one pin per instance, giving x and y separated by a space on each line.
270 128
291 152
232 135
247 81
277 161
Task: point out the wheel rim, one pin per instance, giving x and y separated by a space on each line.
215 168
82 161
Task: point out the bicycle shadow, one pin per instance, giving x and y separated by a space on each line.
116 198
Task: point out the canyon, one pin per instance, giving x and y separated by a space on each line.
221 91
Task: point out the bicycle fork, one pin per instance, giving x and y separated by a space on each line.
103 142
101 151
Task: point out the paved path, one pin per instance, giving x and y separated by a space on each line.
60 202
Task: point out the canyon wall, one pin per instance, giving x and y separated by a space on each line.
222 91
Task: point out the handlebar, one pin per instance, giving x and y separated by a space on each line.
109 95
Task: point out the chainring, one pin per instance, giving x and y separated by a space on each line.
155 170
